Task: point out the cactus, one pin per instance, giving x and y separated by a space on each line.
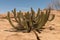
30 21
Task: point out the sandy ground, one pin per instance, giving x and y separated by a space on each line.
46 34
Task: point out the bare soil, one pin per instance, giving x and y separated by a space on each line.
46 34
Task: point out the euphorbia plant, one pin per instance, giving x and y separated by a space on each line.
31 21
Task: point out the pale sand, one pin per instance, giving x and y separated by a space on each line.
46 34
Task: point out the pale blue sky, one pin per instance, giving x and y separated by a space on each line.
24 5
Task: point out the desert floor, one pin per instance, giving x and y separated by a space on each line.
46 34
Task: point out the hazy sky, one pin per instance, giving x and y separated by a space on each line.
24 5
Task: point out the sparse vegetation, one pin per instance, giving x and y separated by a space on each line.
54 5
30 21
